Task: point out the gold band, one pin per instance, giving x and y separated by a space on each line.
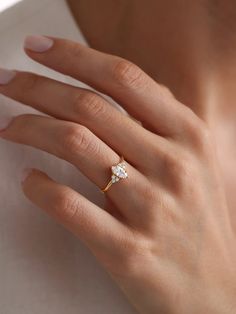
107 187
118 172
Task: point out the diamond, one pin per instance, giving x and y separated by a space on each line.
119 171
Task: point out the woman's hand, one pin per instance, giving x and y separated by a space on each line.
164 236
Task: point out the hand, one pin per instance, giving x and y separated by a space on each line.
165 235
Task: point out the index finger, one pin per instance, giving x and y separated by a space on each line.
117 77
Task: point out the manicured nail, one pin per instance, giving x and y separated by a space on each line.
38 43
24 174
4 122
6 76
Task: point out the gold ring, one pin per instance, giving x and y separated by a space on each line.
118 172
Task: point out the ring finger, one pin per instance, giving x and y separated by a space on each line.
79 146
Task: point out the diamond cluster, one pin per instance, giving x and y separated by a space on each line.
119 172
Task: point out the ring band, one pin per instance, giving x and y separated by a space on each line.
118 172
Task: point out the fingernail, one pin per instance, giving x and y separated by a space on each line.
4 122
24 174
38 43
6 76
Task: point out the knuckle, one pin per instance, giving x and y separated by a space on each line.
182 170
200 135
66 205
78 139
190 121
204 135
91 104
166 91
128 74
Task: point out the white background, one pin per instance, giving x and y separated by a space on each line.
5 4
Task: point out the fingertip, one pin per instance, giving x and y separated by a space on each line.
38 43
24 174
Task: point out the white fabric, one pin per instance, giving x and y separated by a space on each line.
43 268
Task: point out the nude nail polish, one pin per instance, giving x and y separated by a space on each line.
4 122
6 76
24 174
38 43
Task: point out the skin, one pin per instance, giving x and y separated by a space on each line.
193 54
170 243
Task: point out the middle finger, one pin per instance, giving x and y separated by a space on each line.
88 108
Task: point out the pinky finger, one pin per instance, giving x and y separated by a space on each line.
98 229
